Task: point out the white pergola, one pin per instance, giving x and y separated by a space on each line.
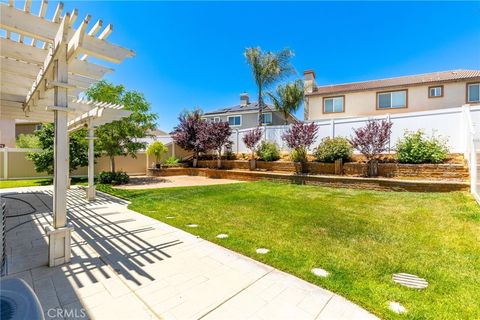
44 66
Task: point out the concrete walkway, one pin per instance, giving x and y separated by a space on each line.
128 266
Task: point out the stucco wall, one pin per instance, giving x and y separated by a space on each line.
7 133
363 103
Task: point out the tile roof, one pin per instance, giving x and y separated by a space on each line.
253 106
433 77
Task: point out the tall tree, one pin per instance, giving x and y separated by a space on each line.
43 160
192 134
268 68
288 98
121 137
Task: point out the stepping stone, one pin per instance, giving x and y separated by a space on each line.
320 272
222 236
262 250
410 280
397 307
192 225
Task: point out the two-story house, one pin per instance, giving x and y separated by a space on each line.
245 115
422 92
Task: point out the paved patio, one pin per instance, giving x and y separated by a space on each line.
129 266
144 182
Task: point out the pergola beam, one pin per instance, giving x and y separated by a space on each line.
36 56
41 14
32 26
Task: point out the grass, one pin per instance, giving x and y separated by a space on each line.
361 237
36 182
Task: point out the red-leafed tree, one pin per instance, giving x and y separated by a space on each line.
251 140
191 134
371 140
299 137
219 136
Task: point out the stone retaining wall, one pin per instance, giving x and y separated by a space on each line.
447 171
381 184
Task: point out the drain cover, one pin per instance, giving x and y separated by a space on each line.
410 280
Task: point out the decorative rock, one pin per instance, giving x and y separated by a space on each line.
397 307
320 272
262 250
222 236
192 225
410 280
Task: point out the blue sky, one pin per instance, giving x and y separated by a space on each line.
190 54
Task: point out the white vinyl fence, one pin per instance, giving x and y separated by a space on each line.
471 132
448 123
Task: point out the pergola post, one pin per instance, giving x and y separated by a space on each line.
59 235
91 164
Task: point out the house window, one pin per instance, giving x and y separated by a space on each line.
216 119
392 100
473 92
435 92
38 126
333 104
235 120
267 118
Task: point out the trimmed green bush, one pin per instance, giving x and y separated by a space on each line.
115 178
299 155
268 151
331 149
416 147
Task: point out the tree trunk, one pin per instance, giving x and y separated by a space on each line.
285 115
253 162
372 166
112 163
195 159
260 106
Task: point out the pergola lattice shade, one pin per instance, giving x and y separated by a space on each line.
26 82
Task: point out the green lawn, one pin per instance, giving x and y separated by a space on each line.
361 237
36 182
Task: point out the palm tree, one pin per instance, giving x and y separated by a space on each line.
268 68
288 98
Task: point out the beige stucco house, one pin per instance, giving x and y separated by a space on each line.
422 92
245 115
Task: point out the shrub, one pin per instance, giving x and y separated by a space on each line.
28 141
268 151
415 147
171 161
299 137
119 177
331 149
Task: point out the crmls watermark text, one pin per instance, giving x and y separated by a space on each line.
67 313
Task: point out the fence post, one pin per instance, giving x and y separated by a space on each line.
389 137
5 163
236 130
